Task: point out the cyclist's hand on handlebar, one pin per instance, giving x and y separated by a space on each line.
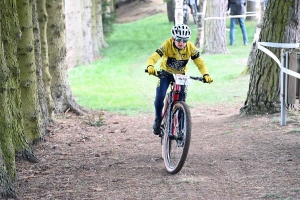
151 70
207 78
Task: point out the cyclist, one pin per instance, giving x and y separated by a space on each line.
175 53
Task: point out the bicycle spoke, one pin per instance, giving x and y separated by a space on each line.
177 143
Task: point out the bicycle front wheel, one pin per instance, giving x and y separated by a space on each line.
177 142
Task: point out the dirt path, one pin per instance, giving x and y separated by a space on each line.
229 158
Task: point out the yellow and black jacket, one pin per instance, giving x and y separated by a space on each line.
175 60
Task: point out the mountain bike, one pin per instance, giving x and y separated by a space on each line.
176 126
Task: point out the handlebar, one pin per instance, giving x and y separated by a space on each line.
191 77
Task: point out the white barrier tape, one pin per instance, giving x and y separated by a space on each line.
281 45
272 55
230 16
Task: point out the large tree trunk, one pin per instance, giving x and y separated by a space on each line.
6 186
26 58
11 34
11 129
60 87
264 91
215 29
43 21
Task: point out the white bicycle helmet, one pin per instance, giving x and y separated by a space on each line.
181 31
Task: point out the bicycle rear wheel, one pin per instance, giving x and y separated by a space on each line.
177 143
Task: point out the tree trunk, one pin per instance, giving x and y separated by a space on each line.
6 186
178 12
86 31
42 104
253 52
215 29
251 9
26 58
100 34
95 42
60 87
12 138
171 10
43 21
11 34
264 90
74 37
200 24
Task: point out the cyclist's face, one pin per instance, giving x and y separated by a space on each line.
180 44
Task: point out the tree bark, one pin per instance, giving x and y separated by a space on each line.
28 77
178 12
43 21
74 37
215 29
60 87
100 34
42 103
11 129
253 52
264 90
86 31
200 24
7 189
95 42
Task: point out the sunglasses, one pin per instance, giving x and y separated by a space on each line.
184 40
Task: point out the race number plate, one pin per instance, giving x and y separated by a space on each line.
181 79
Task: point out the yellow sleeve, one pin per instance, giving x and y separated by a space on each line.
201 65
152 60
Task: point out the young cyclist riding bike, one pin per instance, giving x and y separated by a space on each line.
175 53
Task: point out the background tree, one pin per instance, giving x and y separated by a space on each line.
264 91
171 10
43 21
99 25
215 27
200 23
60 87
74 38
86 22
84 46
42 103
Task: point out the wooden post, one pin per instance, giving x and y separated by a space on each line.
291 81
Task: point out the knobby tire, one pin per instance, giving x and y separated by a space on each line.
173 145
